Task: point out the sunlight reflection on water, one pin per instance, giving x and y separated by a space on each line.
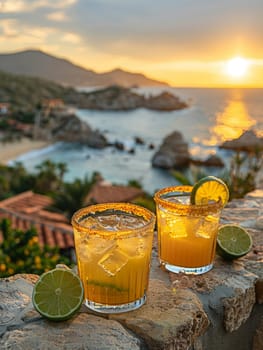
232 122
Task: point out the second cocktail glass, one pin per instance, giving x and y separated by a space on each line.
113 243
186 233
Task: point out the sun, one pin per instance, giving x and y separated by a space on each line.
237 67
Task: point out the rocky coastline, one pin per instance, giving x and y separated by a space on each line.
115 98
62 124
174 152
56 119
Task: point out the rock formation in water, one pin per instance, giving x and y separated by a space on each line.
69 128
173 152
120 98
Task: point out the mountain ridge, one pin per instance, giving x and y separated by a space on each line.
37 63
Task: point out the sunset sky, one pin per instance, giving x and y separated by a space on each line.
182 42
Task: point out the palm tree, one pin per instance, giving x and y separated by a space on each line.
20 179
62 169
50 176
71 196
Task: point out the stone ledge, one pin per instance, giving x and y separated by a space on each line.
222 309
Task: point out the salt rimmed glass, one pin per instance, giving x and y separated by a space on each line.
113 243
186 233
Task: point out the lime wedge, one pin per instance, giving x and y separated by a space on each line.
209 188
58 294
233 242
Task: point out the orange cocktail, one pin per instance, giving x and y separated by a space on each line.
186 233
113 243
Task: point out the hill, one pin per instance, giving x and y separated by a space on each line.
39 64
27 93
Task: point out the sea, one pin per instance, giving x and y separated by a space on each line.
214 115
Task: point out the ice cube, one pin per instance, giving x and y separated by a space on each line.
95 246
131 222
180 199
109 222
193 224
116 222
99 245
133 247
208 227
92 222
178 229
174 225
113 262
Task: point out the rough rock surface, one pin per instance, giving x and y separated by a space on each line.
69 128
258 339
247 142
173 153
160 321
165 102
222 309
72 335
121 98
211 161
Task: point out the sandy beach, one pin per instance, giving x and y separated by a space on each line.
12 150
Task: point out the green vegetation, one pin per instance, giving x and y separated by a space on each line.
14 180
26 94
71 196
146 201
240 178
20 252
243 171
47 179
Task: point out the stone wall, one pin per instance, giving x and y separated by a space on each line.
222 309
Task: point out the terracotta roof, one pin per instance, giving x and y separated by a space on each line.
27 209
104 192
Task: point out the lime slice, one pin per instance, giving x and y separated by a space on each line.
58 294
209 188
233 242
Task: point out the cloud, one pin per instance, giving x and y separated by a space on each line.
19 6
10 6
141 31
71 38
57 4
57 16
200 28
8 28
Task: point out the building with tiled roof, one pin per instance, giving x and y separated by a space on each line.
28 209
104 192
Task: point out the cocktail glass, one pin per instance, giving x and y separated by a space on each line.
113 244
186 233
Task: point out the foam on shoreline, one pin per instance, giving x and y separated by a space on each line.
34 153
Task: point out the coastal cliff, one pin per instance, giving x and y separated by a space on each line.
69 128
121 98
26 94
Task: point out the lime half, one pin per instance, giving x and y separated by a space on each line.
58 294
209 188
233 242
